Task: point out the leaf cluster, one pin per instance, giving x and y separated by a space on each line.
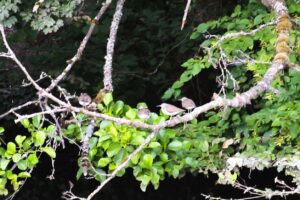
19 157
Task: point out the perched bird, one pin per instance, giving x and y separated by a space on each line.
144 113
84 99
92 106
170 110
187 103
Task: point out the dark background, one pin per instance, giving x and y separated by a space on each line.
148 55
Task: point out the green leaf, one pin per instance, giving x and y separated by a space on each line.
168 94
113 149
32 159
20 139
195 35
22 165
258 19
213 119
204 146
197 68
25 123
4 163
11 148
141 105
130 114
175 145
177 84
104 162
24 175
118 107
17 157
202 28
154 145
40 137
137 140
164 157
27 144
107 98
146 161
11 176
93 142
36 121
135 159
120 156
145 179
50 151
51 129
1 130
104 124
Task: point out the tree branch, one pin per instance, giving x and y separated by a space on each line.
82 46
107 68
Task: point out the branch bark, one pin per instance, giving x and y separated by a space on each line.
107 80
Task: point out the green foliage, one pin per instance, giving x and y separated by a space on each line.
172 152
46 16
18 157
235 48
197 146
193 67
269 129
7 10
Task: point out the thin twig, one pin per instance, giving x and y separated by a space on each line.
18 108
55 110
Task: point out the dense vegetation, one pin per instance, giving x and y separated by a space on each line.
149 51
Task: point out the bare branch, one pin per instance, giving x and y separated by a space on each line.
186 10
5 55
13 57
82 46
52 111
18 108
107 68
241 33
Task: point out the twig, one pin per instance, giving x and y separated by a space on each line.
56 110
18 108
14 58
241 33
5 55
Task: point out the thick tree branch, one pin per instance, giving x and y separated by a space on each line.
107 68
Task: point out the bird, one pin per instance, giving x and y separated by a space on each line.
170 110
84 99
144 113
187 103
